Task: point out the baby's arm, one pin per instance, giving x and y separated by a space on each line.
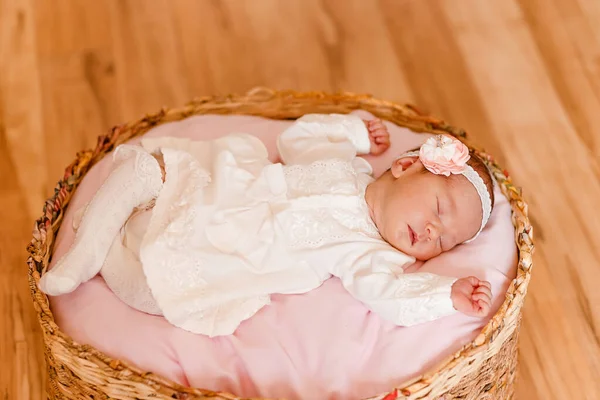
373 274
136 180
321 136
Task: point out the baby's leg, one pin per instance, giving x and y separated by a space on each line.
123 273
136 180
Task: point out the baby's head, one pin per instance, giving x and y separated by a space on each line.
432 199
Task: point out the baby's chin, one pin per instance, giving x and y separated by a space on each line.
418 255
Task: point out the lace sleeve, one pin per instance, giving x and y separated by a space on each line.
315 137
376 278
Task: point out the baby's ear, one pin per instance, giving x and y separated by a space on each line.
402 164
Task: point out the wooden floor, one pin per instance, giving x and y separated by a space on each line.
522 76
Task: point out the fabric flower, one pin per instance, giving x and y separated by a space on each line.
444 155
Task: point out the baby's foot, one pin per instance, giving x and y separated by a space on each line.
76 267
54 284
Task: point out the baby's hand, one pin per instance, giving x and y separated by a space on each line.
378 135
472 297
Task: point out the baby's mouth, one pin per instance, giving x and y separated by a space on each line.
411 235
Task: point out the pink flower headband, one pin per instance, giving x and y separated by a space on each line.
445 155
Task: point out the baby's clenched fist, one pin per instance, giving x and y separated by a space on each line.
472 296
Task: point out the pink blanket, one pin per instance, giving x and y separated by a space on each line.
322 344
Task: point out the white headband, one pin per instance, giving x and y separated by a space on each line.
445 155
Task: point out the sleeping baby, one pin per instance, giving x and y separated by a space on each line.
203 232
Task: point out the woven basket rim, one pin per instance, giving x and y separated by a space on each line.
274 104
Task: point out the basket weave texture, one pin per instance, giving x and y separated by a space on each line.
482 369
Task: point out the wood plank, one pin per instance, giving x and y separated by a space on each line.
21 99
21 348
426 46
148 65
361 56
77 74
570 50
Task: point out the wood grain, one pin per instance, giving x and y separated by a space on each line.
522 76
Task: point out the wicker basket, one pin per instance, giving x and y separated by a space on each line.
483 369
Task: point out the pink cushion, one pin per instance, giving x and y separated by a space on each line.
322 344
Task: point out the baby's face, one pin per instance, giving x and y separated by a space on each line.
424 214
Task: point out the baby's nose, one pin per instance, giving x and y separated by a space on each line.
432 232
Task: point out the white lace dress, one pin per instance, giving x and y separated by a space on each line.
228 228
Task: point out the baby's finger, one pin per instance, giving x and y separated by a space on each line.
380 132
483 289
486 284
381 127
482 299
382 140
473 281
482 296
484 308
376 125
